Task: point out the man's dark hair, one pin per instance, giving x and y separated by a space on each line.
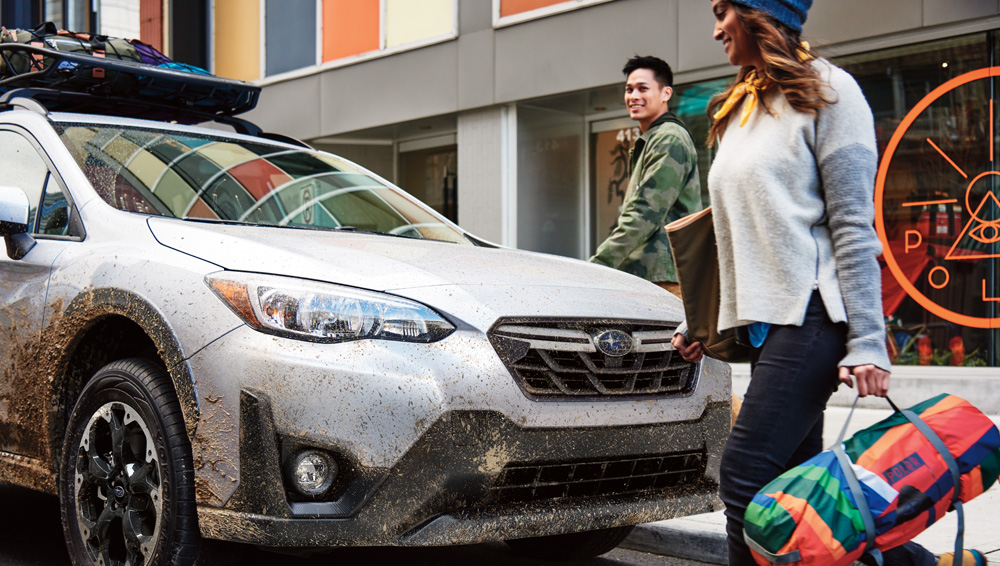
661 70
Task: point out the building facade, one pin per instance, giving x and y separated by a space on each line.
508 117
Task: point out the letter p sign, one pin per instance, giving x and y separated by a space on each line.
913 240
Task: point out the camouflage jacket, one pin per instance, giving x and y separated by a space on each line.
664 185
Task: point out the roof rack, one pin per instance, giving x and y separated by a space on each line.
86 103
67 83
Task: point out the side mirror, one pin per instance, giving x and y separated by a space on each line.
14 209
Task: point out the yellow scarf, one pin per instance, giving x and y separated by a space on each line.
752 87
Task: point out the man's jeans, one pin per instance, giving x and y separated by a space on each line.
780 425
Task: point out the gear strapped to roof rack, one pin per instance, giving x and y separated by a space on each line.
74 82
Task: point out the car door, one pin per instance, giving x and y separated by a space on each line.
24 384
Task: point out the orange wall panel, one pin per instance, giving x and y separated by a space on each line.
512 7
350 27
151 22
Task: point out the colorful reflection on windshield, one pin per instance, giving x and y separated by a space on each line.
190 176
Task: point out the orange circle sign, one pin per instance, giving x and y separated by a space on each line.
990 228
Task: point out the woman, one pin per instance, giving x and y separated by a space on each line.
792 193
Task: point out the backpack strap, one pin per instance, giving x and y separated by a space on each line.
673 119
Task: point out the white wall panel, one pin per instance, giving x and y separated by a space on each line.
120 18
408 21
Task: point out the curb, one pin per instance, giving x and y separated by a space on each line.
911 385
704 541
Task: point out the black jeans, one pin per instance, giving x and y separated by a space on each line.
780 425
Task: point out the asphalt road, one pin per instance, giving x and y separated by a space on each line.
31 535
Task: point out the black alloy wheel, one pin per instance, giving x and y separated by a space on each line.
126 484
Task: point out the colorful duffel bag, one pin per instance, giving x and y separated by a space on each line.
877 490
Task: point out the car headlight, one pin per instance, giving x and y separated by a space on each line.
322 312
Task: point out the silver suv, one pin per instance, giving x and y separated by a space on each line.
219 335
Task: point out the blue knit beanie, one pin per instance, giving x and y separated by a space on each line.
792 13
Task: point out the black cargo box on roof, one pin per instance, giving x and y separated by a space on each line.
67 83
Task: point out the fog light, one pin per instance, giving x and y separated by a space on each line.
312 472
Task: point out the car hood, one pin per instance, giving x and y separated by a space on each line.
498 279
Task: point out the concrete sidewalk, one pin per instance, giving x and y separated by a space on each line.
703 538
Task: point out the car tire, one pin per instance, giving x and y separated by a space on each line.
572 546
126 483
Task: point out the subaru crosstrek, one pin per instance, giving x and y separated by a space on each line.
220 335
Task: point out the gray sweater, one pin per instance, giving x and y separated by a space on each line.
792 200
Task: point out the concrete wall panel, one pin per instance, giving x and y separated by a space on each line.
697 48
480 166
947 11
475 69
847 20
290 108
474 15
582 48
407 86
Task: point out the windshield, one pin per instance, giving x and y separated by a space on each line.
193 176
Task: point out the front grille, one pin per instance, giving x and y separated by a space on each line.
551 360
525 483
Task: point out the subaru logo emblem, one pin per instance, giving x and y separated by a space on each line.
119 491
613 342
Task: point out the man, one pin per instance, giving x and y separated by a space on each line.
664 184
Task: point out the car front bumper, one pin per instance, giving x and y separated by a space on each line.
451 487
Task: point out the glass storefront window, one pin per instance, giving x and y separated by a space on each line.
937 205
689 103
431 175
549 177
610 142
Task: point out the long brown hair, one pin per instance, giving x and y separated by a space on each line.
786 66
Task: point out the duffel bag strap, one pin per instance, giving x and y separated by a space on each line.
956 475
777 559
860 501
855 487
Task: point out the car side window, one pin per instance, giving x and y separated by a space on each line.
21 166
53 218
